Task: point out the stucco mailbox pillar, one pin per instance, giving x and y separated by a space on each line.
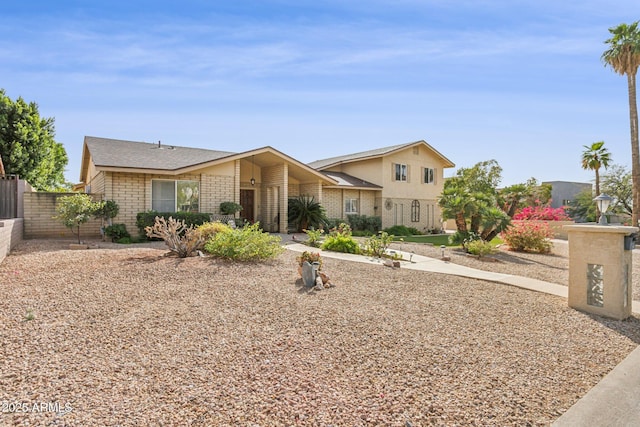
600 269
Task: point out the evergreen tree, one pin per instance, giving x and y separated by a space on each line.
27 144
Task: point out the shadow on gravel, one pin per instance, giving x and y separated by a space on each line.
629 327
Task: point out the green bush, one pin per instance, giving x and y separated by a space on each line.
479 247
371 224
377 245
340 240
313 237
116 232
359 233
148 219
402 230
209 229
107 210
332 223
229 208
249 243
341 243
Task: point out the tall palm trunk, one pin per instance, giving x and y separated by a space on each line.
597 192
635 149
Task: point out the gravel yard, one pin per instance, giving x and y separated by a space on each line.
124 335
553 267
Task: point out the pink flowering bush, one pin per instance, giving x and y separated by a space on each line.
528 237
542 213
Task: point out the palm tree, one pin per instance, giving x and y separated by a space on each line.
623 56
594 157
305 212
513 196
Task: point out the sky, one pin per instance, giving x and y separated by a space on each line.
517 81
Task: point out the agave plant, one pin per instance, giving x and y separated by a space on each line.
305 212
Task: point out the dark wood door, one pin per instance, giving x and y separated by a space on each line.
247 202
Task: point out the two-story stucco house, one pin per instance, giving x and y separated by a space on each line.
400 183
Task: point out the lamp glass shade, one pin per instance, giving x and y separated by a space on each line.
603 202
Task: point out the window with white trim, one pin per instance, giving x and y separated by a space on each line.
401 172
429 175
175 195
351 206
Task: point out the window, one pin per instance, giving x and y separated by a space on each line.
429 176
401 172
351 206
415 211
175 196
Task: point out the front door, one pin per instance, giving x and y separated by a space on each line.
247 201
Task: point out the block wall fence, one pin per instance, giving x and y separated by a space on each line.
11 233
39 210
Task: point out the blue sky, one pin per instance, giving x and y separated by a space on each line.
516 81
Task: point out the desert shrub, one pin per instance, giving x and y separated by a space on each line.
313 237
378 245
116 232
528 237
542 213
341 243
208 229
249 243
148 219
182 239
342 229
340 240
402 230
479 247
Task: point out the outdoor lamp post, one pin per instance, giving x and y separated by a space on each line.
603 202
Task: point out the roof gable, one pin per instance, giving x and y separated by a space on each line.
143 155
378 152
121 155
346 180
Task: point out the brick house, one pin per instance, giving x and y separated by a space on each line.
400 183
141 176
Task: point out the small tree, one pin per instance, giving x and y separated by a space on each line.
73 211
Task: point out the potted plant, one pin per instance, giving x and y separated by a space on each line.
229 208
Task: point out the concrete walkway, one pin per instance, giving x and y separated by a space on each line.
614 401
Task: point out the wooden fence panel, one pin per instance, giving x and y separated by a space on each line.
8 196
